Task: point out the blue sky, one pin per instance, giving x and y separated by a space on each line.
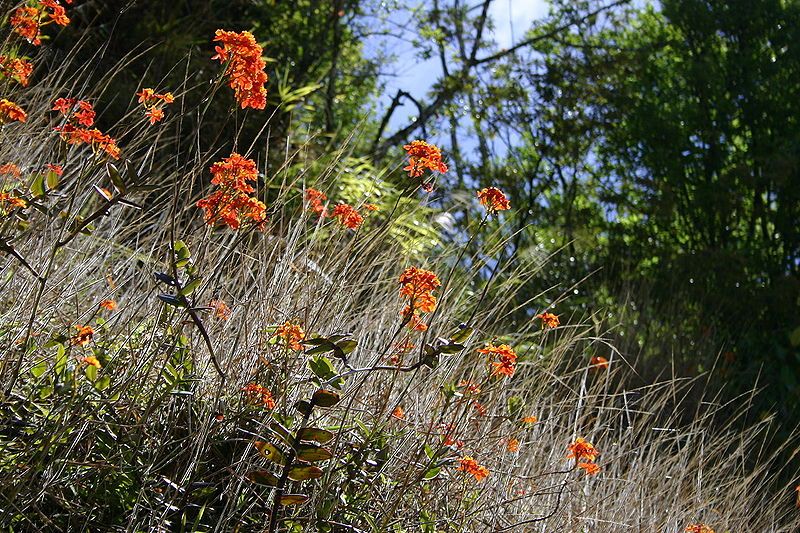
512 18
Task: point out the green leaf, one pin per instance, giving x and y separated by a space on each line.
37 185
270 451
325 398
91 372
794 338
182 254
304 472
462 335
61 360
432 473
39 368
170 300
280 431
116 178
52 179
190 287
452 348
303 406
347 346
293 499
312 452
319 435
103 382
322 367
263 477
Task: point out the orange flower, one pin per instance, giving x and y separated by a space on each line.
478 406
416 284
493 199
348 216
506 359
471 466
110 305
11 112
581 449
153 103
316 201
371 207
698 528
231 205
423 156
512 444
413 319
590 468
245 67
154 115
74 110
56 12
80 115
548 320
470 387
93 137
16 69
530 420
92 361
83 336
9 201
398 413
292 334
26 22
10 169
599 362
58 170
221 309
259 395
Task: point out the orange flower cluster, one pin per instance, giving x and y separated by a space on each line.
153 103
10 169
80 116
293 334
584 454
470 387
530 420
423 156
599 362
11 112
16 69
512 444
506 359
471 466
9 202
398 413
231 204
75 110
316 201
91 360
417 284
348 216
221 309
548 320
698 528
58 170
259 395
245 68
83 336
27 21
109 305
493 199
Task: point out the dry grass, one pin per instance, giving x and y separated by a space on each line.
158 440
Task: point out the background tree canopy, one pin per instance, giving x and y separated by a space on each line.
652 147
